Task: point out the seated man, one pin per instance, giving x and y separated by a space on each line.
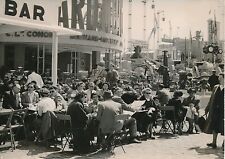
12 98
45 108
108 112
147 119
79 119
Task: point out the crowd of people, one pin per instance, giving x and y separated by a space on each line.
97 104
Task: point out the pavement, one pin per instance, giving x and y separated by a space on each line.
167 146
164 146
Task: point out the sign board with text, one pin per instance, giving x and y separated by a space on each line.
32 11
89 38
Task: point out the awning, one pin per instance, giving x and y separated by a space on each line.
9 26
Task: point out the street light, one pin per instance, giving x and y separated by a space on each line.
212 49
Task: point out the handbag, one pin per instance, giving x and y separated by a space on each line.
202 122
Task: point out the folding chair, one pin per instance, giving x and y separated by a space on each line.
115 138
4 129
19 116
65 128
168 119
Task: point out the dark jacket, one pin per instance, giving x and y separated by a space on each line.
215 111
78 115
9 101
180 112
213 80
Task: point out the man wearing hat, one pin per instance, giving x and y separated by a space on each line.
213 79
46 103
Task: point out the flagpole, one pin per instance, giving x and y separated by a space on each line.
190 49
185 53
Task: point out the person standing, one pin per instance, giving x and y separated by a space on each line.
112 76
35 77
192 114
215 112
213 79
79 120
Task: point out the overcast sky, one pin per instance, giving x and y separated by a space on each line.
184 15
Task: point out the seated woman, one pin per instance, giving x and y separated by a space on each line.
146 119
79 120
179 110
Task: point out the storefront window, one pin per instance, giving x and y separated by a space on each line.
9 56
30 58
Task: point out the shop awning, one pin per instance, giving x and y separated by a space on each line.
12 25
9 26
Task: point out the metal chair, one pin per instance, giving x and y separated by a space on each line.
168 124
19 117
65 128
115 138
4 129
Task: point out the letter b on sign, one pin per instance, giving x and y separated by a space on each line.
10 7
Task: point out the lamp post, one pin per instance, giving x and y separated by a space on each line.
213 49
165 69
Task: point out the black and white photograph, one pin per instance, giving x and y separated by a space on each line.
112 79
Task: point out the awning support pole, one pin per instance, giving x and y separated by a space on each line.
54 57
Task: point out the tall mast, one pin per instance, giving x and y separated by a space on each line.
130 20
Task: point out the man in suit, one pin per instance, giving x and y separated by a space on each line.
29 98
12 98
110 121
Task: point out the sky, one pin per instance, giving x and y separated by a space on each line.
185 16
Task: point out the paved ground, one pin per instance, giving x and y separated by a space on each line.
164 146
